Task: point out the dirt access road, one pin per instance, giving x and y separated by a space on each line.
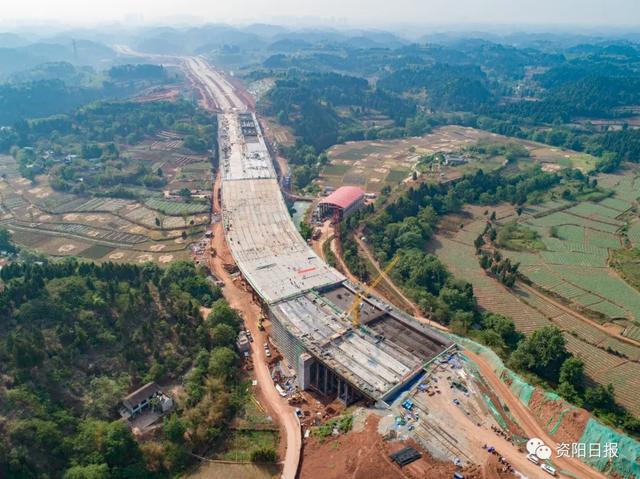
240 299
223 94
327 232
524 418
415 310
531 427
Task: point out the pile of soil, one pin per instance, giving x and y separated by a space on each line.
494 470
548 412
365 455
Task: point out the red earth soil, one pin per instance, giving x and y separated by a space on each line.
548 412
365 455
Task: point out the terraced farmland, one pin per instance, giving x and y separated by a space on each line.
608 359
578 238
105 228
375 164
176 208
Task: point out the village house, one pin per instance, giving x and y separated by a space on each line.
148 395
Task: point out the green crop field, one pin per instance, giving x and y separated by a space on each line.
103 228
177 208
595 211
335 170
616 204
578 242
606 358
633 233
97 251
395 176
580 161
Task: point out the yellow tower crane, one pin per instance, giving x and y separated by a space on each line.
354 310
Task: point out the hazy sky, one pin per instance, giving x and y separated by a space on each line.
342 12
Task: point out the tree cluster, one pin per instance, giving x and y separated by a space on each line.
77 337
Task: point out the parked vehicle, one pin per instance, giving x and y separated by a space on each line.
533 458
548 469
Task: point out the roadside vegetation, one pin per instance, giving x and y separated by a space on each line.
402 229
77 337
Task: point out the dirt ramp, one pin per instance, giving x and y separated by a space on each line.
564 422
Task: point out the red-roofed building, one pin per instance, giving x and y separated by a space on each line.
344 201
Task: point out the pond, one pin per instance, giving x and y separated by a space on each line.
300 208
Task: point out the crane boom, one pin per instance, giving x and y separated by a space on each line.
354 310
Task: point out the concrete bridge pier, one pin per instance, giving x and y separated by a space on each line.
315 375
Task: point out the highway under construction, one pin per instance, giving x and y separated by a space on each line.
340 340
307 301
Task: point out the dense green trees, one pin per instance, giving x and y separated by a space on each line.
76 337
196 144
305 162
499 333
264 455
47 97
594 96
543 353
308 102
5 242
137 72
93 137
447 87
410 220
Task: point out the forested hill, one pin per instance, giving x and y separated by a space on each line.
47 97
77 337
452 87
58 87
308 103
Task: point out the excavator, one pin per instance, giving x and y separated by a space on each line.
354 310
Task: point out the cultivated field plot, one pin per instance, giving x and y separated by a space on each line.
607 358
578 240
633 233
111 229
177 208
181 167
374 164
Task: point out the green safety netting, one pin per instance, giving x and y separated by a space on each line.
625 465
494 411
556 426
628 450
520 387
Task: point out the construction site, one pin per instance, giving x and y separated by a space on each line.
307 301
411 387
